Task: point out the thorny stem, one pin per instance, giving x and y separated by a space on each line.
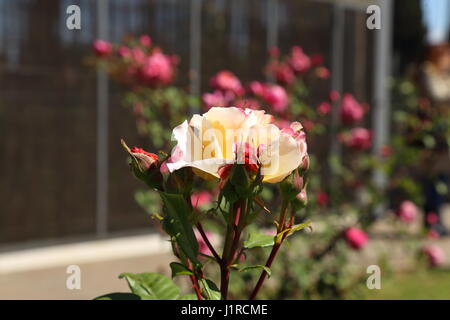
208 243
281 227
231 243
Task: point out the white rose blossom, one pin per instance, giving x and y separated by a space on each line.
212 140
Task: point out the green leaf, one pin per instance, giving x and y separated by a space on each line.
210 290
179 269
151 286
259 240
178 226
119 296
290 231
259 266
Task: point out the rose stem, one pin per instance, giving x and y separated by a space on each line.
194 281
208 243
273 252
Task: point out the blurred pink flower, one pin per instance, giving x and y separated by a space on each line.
257 88
102 48
202 246
324 108
356 238
351 110
359 139
316 59
276 97
247 103
124 52
334 96
281 71
407 211
138 56
199 199
322 198
298 60
226 81
434 254
323 73
432 218
217 99
145 40
157 69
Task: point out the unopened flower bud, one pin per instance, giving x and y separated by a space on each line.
302 196
144 166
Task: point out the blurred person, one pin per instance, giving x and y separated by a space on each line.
435 83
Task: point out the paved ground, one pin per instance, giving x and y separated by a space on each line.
96 279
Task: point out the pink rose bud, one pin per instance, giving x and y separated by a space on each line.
407 211
356 238
302 197
102 48
434 254
146 159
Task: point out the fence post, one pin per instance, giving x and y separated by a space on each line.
382 97
102 129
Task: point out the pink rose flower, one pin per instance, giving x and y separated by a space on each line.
157 69
102 48
226 81
145 40
434 254
359 139
257 88
351 110
276 97
356 238
298 60
407 211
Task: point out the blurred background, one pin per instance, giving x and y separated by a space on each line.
66 194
